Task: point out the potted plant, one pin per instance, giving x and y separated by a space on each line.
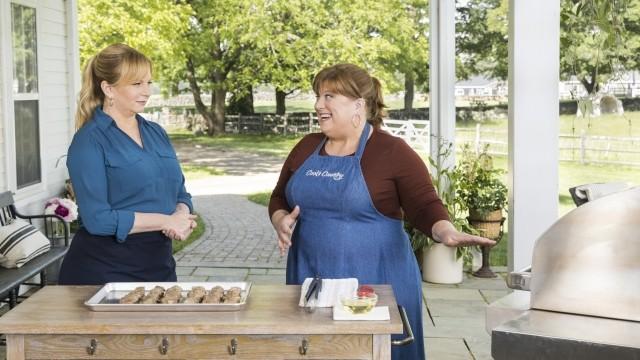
442 264
481 189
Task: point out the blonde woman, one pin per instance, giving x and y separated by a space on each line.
128 182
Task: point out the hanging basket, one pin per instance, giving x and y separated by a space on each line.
489 225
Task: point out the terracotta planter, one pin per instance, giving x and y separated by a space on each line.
488 225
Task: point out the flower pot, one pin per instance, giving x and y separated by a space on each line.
487 224
440 266
476 258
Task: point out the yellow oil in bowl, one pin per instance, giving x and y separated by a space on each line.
359 304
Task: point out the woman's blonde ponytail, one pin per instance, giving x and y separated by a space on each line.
90 97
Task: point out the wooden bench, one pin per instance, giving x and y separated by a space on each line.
11 279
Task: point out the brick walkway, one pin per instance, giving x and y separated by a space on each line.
238 241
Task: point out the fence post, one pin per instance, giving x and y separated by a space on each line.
284 128
310 122
583 143
477 141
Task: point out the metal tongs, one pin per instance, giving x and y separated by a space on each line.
314 290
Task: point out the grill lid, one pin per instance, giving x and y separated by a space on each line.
588 262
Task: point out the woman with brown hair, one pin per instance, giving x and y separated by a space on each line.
127 179
346 190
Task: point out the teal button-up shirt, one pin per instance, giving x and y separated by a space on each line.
114 177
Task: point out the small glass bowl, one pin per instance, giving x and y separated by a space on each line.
359 304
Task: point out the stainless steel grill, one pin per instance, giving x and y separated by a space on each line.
584 282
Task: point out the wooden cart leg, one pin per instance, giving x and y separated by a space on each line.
381 347
15 347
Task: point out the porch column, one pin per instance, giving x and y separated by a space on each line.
73 65
534 42
442 77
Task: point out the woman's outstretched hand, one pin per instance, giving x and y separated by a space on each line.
444 232
283 222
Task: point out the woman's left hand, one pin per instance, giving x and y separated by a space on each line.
172 234
444 232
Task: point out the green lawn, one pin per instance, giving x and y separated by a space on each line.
606 125
261 198
194 172
292 105
265 144
195 235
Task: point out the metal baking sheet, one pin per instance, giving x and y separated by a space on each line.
107 298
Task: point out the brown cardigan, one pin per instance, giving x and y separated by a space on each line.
397 179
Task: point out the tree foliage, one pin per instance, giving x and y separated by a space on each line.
599 40
151 26
230 46
481 39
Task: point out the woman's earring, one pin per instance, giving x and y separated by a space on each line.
355 123
110 101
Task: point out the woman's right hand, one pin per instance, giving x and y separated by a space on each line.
179 225
283 222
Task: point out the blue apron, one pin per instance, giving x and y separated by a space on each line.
341 234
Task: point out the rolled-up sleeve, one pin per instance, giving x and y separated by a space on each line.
184 197
87 170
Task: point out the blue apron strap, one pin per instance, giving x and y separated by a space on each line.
363 140
317 150
361 143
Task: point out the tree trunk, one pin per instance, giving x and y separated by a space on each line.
242 105
197 98
588 85
592 86
280 102
408 91
216 123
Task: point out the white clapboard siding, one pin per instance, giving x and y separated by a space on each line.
56 113
55 92
54 15
3 176
53 4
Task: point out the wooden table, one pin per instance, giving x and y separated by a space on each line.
55 324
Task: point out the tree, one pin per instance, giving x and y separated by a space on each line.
599 39
290 54
481 39
151 26
220 53
404 27
388 38
231 46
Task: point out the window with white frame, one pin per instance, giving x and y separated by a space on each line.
25 95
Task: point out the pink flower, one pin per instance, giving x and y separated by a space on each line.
65 208
62 211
